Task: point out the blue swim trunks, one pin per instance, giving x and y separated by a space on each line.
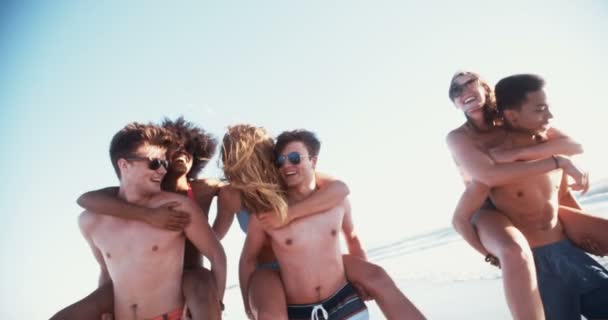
571 283
344 304
269 265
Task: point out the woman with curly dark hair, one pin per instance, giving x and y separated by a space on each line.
254 187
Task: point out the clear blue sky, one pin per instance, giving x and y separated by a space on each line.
369 77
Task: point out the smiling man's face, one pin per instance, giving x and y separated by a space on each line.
297 174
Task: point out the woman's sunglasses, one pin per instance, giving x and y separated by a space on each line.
153 164
292 157
457 89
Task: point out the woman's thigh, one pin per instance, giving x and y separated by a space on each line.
498 234
585 229
267 294
371 277
91 307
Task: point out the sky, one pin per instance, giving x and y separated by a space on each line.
369 77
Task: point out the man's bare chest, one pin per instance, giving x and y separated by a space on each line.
310 231
120 238
534 194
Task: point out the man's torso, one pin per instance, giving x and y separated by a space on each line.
532 203
308 251
145 264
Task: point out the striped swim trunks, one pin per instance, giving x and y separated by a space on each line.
342 305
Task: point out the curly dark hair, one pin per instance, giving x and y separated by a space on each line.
194 140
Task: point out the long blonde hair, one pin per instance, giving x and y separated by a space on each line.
247 153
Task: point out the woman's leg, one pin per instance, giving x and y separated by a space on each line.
200 292
92 307
379 285
587 231
509 245
267 295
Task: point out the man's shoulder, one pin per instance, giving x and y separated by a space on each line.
345 203
164 197
87 216
87 220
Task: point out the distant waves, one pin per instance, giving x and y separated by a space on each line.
442 255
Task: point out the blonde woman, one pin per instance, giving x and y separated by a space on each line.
256 188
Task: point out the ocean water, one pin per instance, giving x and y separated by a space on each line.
442 274
442 255
447 279
436 269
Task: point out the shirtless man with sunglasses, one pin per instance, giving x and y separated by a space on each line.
190 151
145 263
307 249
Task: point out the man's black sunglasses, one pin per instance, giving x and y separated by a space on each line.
293 157
153 164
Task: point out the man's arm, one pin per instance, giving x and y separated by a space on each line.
470 202
481 167
556 142
200 234
105 201
228 204
254 242
350 235
86 222
330 193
